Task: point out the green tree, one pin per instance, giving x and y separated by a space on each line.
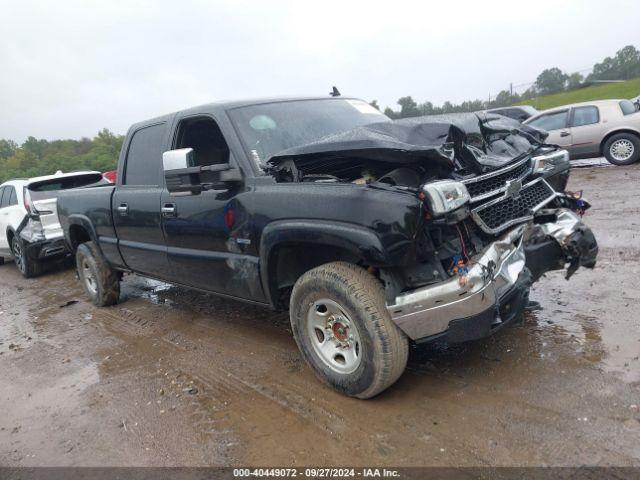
574 81
408 107
551 80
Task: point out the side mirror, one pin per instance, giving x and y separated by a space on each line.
183 177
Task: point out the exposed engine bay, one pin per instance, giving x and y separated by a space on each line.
410 152
478 175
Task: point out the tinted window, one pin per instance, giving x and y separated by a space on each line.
628 107
50 188
13 197
204 136
2 190
585 116
144 159
551 121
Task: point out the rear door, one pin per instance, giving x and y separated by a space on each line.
4 223
586 130
136 202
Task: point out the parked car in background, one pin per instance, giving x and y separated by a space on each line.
29 228
110 176
517 112
590 129
636 101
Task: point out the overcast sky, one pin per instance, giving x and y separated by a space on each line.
70 68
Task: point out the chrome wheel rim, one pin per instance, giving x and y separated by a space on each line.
622 149
334 336
17 255
89 278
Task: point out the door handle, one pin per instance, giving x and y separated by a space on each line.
168 210
123 209
564 134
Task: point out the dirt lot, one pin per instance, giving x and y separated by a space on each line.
172 377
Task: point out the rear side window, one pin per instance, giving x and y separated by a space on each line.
628 107
551 121
144 158
13 198
585 116
48 188
2 190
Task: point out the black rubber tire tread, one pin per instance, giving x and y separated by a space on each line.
629 136
108 282
32 268
365 293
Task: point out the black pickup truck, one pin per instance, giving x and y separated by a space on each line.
372 233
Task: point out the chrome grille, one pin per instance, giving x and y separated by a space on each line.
493 183
501 213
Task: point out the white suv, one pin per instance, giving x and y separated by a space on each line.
29 228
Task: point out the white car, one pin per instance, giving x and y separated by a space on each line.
29 228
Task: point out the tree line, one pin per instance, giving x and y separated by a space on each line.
42 157
623 66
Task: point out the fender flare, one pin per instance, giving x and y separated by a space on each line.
81 221
360 241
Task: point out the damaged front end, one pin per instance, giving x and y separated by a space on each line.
495 216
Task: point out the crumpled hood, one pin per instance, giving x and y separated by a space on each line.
477 142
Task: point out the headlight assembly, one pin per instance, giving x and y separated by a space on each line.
550 162
445 196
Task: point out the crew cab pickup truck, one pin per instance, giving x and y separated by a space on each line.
372 233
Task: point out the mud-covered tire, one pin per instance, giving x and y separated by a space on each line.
28 267
383 347
617 147
98 279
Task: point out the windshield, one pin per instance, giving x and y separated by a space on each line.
270 128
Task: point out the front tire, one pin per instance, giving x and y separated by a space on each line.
28 268
99 280
344 331
622 149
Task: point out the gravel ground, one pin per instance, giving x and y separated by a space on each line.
176 378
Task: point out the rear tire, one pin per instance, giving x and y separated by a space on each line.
344 331
622 149
99 280
28 268
1 260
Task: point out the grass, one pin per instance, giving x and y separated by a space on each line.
627 89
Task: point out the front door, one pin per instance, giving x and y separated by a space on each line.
207 234
136 203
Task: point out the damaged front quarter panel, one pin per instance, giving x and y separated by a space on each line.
562 238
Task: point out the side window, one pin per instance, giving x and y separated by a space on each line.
585 116
204 136
628 107
144 158
13 197
2 190
551 121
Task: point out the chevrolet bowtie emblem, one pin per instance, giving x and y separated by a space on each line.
513 189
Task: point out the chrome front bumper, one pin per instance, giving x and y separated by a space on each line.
428 310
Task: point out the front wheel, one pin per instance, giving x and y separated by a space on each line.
622 149
99 280
344 331
28 268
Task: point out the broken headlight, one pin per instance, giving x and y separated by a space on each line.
551 162
445 196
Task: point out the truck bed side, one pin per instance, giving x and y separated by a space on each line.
85 214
